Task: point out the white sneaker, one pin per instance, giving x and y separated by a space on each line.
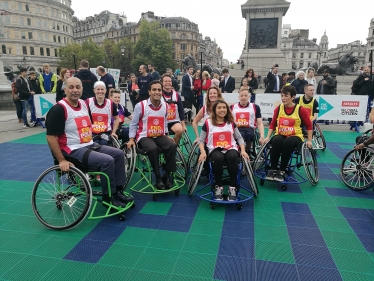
32 124
218 190
232 193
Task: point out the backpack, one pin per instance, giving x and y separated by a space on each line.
354 88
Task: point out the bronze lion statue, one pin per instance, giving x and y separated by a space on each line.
345 66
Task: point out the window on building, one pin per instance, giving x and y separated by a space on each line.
19 6
46 37
183 47
58 27
65 40
310 55
173 46
45 24
173 35
30 35
372 44
37 9
301 64
41 51
54 38
173 56
21 21
28 21
56 53
285 32
23 35
301 55
3 49
24 50
284 45
39 23
48 52
59 39
308 64
53 25
44 11
183 37
27 8
40 37
294 56
32 51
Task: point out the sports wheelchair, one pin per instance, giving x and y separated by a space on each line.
318 140
301 156
245 180
185 145
357 169
143 175
62 200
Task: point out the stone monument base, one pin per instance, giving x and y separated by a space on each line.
262 60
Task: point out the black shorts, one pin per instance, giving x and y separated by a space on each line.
170 125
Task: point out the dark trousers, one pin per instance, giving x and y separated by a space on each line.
151 147
285 146
231 158
192 100
19 108
109 160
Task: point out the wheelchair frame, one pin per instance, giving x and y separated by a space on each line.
301 154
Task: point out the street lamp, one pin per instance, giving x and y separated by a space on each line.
123 49
24 61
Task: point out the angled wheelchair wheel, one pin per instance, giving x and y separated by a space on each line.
181 164
250 176
309 161
263 157
187 146
61 200
256 146
193 158
130 160
319 142
357 169
114 142
194 179
368 133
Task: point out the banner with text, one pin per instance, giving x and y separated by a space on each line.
43 103
331 107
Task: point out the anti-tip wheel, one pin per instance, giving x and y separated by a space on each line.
262 181
122 217
212 206
176 192
284 187
239 206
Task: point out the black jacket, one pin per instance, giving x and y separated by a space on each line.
272 81
23 91
299 85
60 94
88 80
365 87
328 88
175 84
35 86
230 85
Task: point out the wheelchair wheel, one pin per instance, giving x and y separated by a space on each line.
181 164
193 158
309 161
256 146
130 159
357 169
187 146
368 133
318 141
260 165
250 176
115 142
195 175
61 200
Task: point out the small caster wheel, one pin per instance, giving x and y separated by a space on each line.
239 206
176 192
154 197
262 181
122 217
284 187
133 206
212 206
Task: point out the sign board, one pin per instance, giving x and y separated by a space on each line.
115 73
43 103
93 70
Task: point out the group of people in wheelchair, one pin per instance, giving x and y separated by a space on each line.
81 132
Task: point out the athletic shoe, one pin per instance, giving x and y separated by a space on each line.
270 175
279 176
218 190
26 126
232 193
124 198
117 202
32 124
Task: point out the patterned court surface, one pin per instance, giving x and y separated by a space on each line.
323 232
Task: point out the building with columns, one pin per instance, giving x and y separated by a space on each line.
370 42
356 48
34 31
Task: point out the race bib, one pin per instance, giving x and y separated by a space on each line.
172 111
100 123
222 139
286 126
84 129
242 119
155 126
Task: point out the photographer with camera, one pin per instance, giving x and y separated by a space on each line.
275 81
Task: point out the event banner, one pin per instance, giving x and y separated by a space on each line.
43 104
331 107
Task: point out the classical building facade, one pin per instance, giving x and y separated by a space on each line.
34 31
97 26
184 34
356 48
370 42
297 48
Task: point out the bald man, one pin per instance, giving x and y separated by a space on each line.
69 135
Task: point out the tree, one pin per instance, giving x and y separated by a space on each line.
154 46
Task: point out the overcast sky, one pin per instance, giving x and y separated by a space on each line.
345 21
